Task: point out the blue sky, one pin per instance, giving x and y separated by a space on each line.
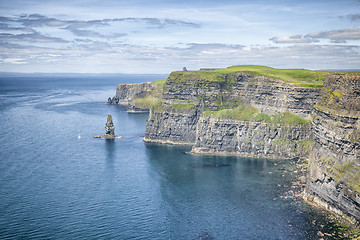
86 36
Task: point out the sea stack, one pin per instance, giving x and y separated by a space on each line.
109 130
109 126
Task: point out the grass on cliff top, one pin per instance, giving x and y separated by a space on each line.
160 83
244 113
147 102
301 77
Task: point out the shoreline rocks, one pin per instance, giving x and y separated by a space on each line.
107 136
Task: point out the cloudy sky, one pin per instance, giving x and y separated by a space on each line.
160 36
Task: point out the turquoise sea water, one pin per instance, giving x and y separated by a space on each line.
58 182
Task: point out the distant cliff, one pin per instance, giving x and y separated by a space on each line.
126 93
334 168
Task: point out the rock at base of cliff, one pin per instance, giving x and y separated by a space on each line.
107 136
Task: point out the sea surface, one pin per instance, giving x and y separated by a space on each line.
58 182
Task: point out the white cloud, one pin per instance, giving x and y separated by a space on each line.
14 60
336 36
293 39
96 56
341 35
158 36
30 37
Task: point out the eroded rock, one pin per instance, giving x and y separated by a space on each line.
109 126
109 130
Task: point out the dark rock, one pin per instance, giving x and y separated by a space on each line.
172 127
109 126
109 130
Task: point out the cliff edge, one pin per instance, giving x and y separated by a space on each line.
333 179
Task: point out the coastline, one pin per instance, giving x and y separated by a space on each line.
166 142
197 151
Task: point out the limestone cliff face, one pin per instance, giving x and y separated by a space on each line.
256 139
252 139
126 93
173 127
271 96
334 167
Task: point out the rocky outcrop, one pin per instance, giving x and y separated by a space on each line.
126 93
109 130
334 167
172 127
252 139
109 126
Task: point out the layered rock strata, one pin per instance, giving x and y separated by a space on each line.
172 127
252 139
126 93
334 166
270 96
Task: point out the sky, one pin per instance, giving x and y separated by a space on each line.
161 36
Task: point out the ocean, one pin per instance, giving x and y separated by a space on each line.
58 182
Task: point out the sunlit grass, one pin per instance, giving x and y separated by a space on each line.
244 113
301 77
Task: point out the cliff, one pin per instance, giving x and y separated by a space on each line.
172 126
139 96
213 90
202 108
255 111
252 138
334 167
126 93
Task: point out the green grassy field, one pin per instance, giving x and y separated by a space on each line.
160 83
301 77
